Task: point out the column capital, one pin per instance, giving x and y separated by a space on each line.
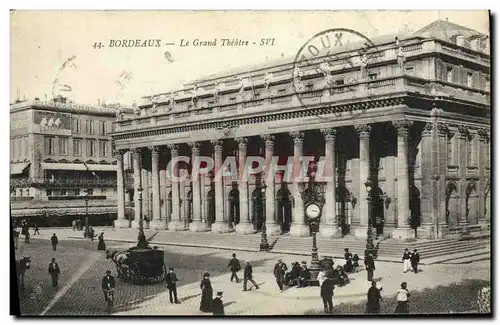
136 152
298 137
118 154
363 130
268 138
155 150
242 142
483 134
217 144
427 130
329 134
174 149
443 129
402 126
463 131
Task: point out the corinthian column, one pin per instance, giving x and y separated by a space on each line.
363 131
156 222
298 227
219 226
120 222
137 183
175 224
196 225
329 226
403 229
244 227
272 228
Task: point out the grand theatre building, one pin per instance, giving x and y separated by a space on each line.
405 125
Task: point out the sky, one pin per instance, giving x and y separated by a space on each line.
42 41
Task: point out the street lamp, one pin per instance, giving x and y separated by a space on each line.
142 243
370 248
86 207
264 245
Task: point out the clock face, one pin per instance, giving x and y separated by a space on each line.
313 211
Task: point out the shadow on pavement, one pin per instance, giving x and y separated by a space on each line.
455 298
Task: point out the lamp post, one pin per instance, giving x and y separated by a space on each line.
264 245
370 248
86 207
142 243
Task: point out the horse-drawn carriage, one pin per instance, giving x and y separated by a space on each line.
139 265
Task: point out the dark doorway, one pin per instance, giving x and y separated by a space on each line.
189 207
211 206
415 208
343 199
169 207
257 210
377 214
284 206
233 207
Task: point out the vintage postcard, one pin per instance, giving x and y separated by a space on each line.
250 163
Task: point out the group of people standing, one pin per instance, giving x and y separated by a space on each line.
298 275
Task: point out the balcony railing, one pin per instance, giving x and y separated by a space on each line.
21 198
76 197
36 182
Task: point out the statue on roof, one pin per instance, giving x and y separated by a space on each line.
137 110
297 78
267 79
216 91
364 64
400 56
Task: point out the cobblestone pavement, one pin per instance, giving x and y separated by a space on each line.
436 288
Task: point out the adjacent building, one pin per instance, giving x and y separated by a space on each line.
407 133
62 166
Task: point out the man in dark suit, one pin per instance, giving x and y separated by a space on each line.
54 241
370 266
415 259
171 280
327 294
108 283
234 266
305 275
247 276
217 307
54 272
279 273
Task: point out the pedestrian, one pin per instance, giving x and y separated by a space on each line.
73 225
321 276
406 260
54 241
305 275
327 294
206 293
370 266
402 297
415 259
355 263
36 230
107 283
101 246
27 238
247 276
92 234
54 272
348 260
217 306
171 280
234 266
374 299
279 273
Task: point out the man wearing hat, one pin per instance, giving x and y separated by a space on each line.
171 280
280 269
234 267
247 276
305 275
415 259
108 283
327 286
217 306
54 272
370 267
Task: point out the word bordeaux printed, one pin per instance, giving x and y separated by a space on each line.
203 165
134 43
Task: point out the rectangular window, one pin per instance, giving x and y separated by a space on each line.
449 74
282 92
63 146
232 100
309 87
450 151
257 95
372 76
469 153
210 103
91 125
78 126
87 127
469 79
339 82
49 146
90 148
77 147
102 148
409 69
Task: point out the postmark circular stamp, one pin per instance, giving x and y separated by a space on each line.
339 57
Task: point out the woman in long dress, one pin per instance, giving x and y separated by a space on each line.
101 246
206 293
402 297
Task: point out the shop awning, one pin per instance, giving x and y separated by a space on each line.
91 167
18 168
58 211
